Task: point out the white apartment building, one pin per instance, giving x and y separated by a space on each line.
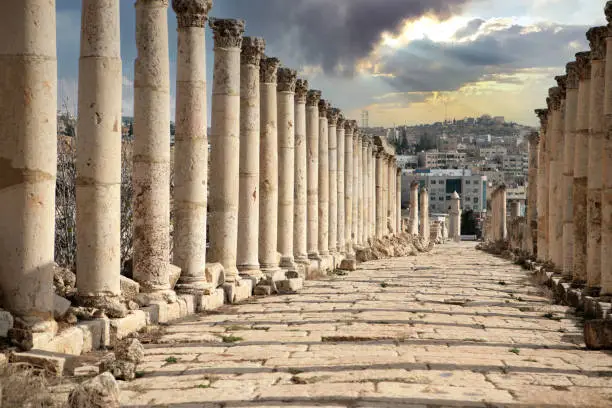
516 163
493 151
434 159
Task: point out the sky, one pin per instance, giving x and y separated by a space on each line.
406 62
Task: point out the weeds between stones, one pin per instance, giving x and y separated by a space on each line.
25 386
231 339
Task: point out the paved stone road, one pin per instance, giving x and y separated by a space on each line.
456 327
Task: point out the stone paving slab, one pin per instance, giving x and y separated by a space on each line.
454 327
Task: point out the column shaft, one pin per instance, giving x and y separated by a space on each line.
606 196
359 185
555 166
332 117
398 201
532 197
413 220
355 182
323 179
542 187
571 108
379 195
348 185
312 139
364 183
300 230
424 215
340 132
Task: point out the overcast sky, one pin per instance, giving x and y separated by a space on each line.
405 61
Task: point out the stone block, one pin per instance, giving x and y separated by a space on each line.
120 328
215 274
99 392
212 301
292 274
6 322
290 285
348 265
326 264
129 288
238 291
52 363
575 299
166 312
96 334
263 290
174 273
598 334
60 306
69 341
3 361
276 275
85 371
590 307
187 303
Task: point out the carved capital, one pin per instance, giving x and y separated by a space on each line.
555 94
572 75
287 78
252 50
534 138
597 41
268 70
340 119
562 84
348 126
301 90
191 13
583 64
332 116
313 97
543 116
227 33
355 127
323 107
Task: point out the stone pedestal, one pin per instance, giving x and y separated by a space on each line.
191 146
286 164
151 171
300 229
323 179
606 197
349 128
225 145
312 146
413 216
28 159
341 219
98 164
247 255
332 119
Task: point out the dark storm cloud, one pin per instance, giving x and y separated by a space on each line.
330 32
471 28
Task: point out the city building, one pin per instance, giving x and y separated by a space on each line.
434 159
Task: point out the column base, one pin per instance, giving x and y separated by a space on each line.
287 262
250 272
314 256
111 305
275 273
166 295
232 274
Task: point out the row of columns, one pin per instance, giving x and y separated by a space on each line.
289 174
570 169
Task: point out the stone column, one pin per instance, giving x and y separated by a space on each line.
247 255
502 213
300 228
312 143
323 179
286 164
392 200
225 145
555 226
371 190
597 39
98 164
341 233
606 197
268 167
349 128
455 218
332 118
28 159
190 146
356 150
151 172
398 201
581 160
359 185
532 192
515 209
385 194
424 215
364 183
571 108
379 194
413 216
542 204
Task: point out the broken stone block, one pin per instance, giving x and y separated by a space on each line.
215 274
52 363
123 370
101 391
174 273
598 334
60 307
3 361
348 265
6 322
129 350
64 280
263 290
290 285
129 288
85 371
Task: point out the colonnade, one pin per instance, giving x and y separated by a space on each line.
293 184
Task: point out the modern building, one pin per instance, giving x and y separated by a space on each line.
434 159
493 151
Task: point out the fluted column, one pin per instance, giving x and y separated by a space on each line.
225 145
413 216
286 164
332 119
581 161
455 217
323 178
555 170
542 204
28 159
300 228
151 171
597 38
424 215
190 145
341 220
571 109
532 192
398 200
247 255
606 196
98 164
268 166
349 128
355 209
379 194
312 143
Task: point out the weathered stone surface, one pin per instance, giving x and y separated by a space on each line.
60 306
348 265
215 274
85 371
52 363
290 285
129 349
263 290
64 280
120 328
129 288
6 322
174 273
99 392
598 334
212 301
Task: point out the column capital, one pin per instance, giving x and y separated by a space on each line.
313 97
597 41
555 96
608 12
543 116
423 189
287 78
341 120
323 107
301 90
583 65
398 170
227 33
534 138
191 13
332 116
562 85
572 75
349 126
414 185
252 50
268 70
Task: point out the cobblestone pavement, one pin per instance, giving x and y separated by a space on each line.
456 327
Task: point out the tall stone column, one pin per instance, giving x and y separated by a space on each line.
364 183
98 164
581 162
349 129
398 200
359 185
597 39
190 145
413 216
424 215
606 197
515 209
28 159
502 213
300 228
371 191
312 143
341 234
323 178
225 145
268 166
379 194
151 172
532 192
542 210
455 217
555 225
286 164
247 255
392 210
571 109
332 118
355 161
